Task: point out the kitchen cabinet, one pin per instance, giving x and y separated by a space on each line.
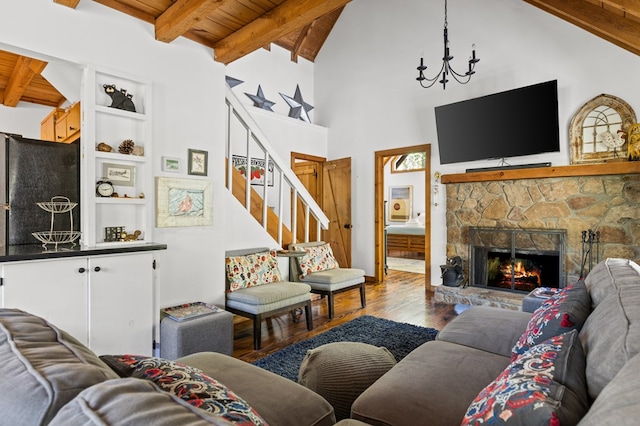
62 125
106 302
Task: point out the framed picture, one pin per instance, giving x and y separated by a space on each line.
400 203
198 162
183 202
257 169
119 174
170 164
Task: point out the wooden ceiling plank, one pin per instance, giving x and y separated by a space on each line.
181 17
629 7
618 30
69 3
131 11
23 73
281 20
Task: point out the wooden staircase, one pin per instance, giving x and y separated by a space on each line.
238 189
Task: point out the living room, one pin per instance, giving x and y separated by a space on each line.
362 87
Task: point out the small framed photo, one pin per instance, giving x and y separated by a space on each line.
170 164
198 162
400 203
119 174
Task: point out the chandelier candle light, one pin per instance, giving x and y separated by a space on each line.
446 65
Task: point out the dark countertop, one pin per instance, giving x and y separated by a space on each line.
36 251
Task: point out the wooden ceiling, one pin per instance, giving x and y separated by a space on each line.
235 28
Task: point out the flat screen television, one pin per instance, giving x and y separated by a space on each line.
514 123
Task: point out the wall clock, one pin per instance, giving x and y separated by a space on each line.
598 131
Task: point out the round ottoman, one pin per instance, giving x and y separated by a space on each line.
341 371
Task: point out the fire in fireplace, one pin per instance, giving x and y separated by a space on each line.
516 259
525 272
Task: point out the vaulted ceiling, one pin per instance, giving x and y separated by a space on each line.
235 28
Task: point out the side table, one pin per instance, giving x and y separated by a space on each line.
206 333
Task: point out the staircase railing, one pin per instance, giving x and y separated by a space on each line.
253 144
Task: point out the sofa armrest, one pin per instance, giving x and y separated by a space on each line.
490 329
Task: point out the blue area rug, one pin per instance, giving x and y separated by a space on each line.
399 338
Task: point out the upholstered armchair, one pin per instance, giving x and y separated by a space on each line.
319 268
255 289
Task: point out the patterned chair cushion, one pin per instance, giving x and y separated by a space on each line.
252 270
565 311
545 386
188 383
318 258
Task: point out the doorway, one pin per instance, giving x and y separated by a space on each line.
381 158
329 183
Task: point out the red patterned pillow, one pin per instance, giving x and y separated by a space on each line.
252 270
565 311
187 383
545 386
318 258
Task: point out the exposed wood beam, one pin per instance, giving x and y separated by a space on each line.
283 19
23 73
181 16
617 29
69 3
300 41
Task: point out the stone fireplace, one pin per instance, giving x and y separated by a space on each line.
569 199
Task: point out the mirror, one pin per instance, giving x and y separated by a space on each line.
598 131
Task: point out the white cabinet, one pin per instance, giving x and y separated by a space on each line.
106 302
130 173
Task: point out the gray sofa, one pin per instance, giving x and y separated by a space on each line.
48 377
437 382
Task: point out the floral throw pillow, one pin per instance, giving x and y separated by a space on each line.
318 258
189 384
252 270
544 386
565 311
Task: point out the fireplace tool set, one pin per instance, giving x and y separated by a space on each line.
589 240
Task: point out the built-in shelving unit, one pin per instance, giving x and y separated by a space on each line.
131 175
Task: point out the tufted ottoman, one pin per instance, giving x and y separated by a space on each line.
341 371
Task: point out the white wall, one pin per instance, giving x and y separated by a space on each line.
188 106
366 90
23 119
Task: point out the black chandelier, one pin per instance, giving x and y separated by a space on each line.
446 65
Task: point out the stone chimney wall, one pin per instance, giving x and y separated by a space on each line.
609 204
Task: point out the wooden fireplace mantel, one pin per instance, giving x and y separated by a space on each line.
612 168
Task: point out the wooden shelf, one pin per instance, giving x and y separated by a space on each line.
612 168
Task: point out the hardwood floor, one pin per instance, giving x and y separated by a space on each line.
400 297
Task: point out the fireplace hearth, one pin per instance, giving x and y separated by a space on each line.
518 260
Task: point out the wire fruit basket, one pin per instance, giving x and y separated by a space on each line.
57 205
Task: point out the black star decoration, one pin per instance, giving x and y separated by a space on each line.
298 107
260 101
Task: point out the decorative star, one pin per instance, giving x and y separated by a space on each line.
232 82
298 107
260 101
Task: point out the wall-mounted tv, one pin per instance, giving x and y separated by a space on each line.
517 122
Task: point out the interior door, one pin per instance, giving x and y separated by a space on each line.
336 203
309 174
